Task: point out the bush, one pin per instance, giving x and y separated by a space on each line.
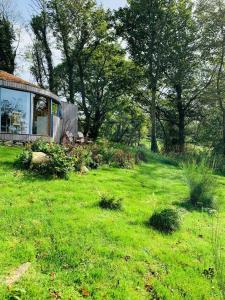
123 159
142 154
115 155
167 220
24 160
201 184
40 146
81 156
59 164
112 203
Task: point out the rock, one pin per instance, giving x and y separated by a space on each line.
39 158
84 170
70 136
80 138
17 274
80 135
8 143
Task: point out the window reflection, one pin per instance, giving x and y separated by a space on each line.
15 111
40 116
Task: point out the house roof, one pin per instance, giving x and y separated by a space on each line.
13 82
9 77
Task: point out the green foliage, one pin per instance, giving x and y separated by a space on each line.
7 50
142 154
201 184
122 159
63 160
166 220
59 164
110 202
117 155
81 156
127 124
16 294
24 159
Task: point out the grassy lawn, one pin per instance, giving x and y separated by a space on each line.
78 250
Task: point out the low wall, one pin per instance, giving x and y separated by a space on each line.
23 138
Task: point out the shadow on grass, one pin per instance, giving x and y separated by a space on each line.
187 205
9 165
30 176
146 224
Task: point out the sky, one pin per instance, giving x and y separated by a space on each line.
23 10
24 6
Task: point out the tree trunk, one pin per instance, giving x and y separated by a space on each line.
71 81
94 132
154 145
181 122
87 123
181 131
48 55
224 131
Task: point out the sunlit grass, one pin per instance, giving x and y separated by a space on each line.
77 249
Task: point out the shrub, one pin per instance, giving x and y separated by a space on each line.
59 164
112 202
167 220
40 146
81 156
201 184
24 160
142 154
123 159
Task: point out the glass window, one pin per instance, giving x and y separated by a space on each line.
15 111
41 115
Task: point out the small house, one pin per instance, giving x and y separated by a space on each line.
28 112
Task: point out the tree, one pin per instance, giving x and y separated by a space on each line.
127 124
107 77
7 34
212 20
143 24
42 54
78 25
184 76
38 68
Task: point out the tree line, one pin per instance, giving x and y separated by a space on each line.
153 68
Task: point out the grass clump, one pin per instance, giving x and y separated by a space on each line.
201 184
110 202
166 220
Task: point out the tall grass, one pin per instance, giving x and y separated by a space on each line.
201 182
218 256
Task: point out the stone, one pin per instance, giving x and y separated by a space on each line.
8 143
80 138
70 136
84 170
39 158
17 274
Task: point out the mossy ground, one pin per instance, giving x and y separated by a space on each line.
78 250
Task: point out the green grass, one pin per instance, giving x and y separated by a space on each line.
76 248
